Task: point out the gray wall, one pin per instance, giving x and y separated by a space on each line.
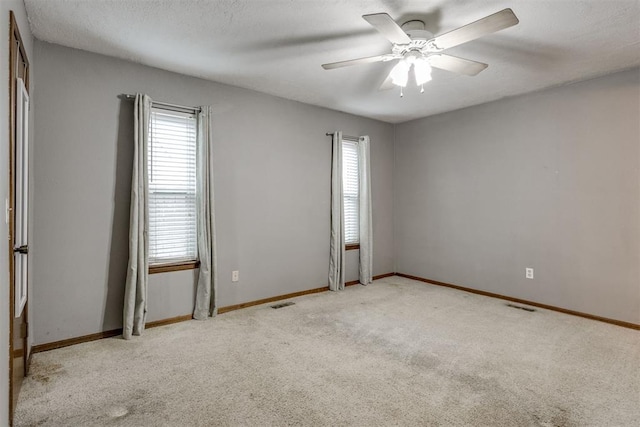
549 180
17 6
272 179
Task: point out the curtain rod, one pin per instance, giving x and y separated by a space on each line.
170 106
347 137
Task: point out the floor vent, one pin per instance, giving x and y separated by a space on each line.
284 304
521 308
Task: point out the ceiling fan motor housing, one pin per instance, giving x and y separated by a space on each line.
419 37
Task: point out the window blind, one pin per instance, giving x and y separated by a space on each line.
172 187
350 191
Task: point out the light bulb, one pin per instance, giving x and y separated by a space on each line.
400 73
422 71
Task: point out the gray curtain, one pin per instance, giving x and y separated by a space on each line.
206 295
135 294
337 250
364 193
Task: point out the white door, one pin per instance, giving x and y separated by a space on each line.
21 236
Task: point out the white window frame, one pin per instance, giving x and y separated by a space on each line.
350 191
190 254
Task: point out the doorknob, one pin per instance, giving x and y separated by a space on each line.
24 249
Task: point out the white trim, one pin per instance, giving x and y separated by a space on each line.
21 236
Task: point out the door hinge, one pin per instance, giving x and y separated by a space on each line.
24 330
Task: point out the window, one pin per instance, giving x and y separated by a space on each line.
350 186
172 187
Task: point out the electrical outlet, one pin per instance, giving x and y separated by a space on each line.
235 276
528 273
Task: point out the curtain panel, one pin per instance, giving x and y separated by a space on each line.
206 291
365 223
135 294
337 250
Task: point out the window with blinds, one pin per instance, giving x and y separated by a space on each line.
350 190
172 187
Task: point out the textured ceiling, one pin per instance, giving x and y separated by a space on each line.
277 46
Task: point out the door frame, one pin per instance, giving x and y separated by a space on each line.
16 47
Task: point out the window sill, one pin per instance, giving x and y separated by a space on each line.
352 247
178 266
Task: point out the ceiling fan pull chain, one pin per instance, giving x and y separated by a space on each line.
401 94
422 88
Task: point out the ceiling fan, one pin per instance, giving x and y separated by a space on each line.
414 46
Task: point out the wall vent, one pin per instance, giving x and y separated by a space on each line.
521 308
284 304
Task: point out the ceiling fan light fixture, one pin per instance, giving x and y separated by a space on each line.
417 47
400 73
422 71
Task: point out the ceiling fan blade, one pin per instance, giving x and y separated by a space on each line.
388 27
487 25
368 60
457 65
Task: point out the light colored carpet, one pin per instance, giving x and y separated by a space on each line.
397 352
